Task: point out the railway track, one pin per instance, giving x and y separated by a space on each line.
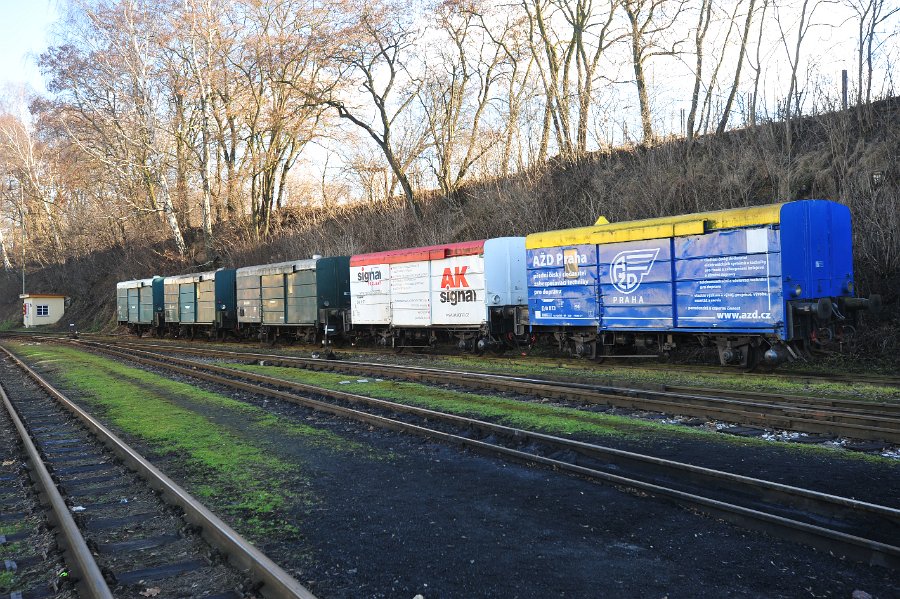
574 364
876 421
847 527
31 560
124 526
804 377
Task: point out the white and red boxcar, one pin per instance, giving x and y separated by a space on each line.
474 291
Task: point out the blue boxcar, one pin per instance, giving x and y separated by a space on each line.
745 272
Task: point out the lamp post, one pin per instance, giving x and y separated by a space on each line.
22 221
23 255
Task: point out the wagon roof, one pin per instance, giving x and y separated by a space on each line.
658 228
430 252
277 268
135 283
192 277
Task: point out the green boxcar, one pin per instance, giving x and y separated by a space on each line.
266 294
122 302
138 301
302 294
134 304
190 299
333 285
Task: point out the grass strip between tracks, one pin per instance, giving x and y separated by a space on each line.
552 419
237 473
686 377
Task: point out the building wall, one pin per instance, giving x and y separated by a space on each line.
40 311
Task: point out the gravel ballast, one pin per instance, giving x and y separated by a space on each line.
415 517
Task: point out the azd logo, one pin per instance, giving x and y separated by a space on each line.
629 268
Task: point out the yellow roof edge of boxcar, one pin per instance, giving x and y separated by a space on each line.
657 228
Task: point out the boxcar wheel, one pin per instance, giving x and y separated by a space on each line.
753 358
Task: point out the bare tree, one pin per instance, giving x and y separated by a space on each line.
732 92
871 14
805 21
22 156
107 78
758 67
792 105
375 59
703 20
506 30
649 21
709 99
197 47
456 97
282 66
568 58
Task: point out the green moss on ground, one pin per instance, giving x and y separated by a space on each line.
8 550
673 376
557 420
7 580
9 529
235 471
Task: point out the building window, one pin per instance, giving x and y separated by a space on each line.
43 310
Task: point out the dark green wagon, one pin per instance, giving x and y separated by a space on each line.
201 302
302 299
139 304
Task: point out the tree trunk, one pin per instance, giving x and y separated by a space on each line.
168 210
204 175
737 74
646 122
699 36
637 59
7 264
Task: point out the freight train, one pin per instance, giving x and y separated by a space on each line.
766 283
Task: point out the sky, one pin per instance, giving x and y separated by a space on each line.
24 33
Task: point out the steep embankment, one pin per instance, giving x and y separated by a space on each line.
846 156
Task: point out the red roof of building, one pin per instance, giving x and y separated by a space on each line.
431 252
45 295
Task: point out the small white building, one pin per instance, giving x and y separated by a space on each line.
42 308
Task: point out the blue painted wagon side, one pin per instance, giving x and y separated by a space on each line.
817 250
562 286
635 280
730 281
158 301
749 279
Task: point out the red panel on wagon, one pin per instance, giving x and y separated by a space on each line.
431 252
